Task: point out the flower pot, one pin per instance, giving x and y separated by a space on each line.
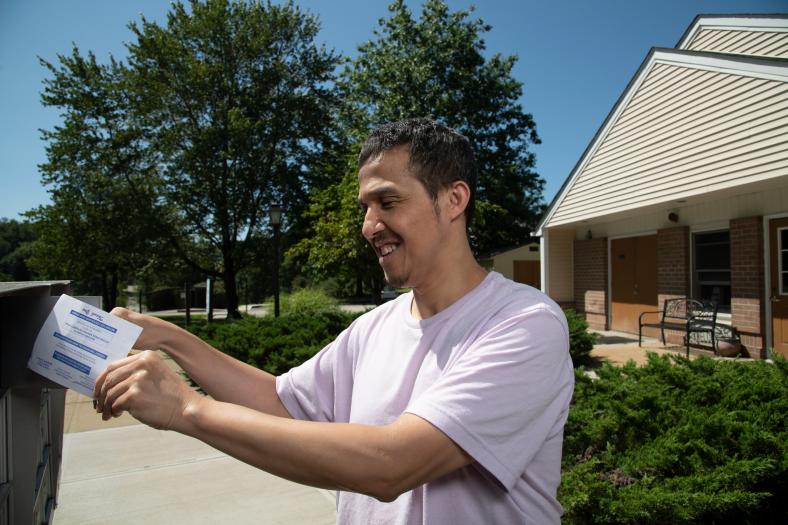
728 347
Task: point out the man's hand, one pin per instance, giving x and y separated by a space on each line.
147 388
154 330
224 378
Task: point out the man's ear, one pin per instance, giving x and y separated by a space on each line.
458 195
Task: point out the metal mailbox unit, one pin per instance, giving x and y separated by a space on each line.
31 408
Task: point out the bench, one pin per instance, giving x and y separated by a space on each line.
685 315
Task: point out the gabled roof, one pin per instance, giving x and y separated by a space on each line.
739 22
496 253
766 68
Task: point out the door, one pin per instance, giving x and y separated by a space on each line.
527 272
633 268
778 248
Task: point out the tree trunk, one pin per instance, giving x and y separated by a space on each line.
113 291
359 285
187 301
104 291
375 287
231 289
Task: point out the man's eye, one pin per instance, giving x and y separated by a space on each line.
386 204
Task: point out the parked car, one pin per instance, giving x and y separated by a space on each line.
388 294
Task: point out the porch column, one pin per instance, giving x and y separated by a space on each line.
747 281
590 281
559 266
673 270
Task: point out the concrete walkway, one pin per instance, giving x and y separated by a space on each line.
123 472
618 348
135 474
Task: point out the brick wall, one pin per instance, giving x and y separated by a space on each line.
673 270
747 281
567 305
590 281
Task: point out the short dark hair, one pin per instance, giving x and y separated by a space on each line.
439 155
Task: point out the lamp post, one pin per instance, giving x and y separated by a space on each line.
275 214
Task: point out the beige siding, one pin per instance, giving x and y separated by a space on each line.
685 132
559 259
503 262
763 43
709 215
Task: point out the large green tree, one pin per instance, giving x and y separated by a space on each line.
335 247
101 221
237 102
15 240
436 66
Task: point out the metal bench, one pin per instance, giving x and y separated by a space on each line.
684 315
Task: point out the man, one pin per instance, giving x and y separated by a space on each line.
446 405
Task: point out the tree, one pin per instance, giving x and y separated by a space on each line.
336 247
15 241
104 191
236 100
435 66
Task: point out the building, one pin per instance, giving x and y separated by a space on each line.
683 191
520 264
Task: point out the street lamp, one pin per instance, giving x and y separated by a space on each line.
275 215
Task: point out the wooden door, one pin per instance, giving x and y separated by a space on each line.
527 272
633 268
778 247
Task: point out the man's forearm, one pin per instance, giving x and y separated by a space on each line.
326 455
223 377
381 461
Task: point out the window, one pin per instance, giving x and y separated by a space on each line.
782 253
712 269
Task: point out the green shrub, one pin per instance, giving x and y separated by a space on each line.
275 344
581 341
308 300
679 442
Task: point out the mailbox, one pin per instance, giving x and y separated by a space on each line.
31 408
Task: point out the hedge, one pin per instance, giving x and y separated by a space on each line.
678 442
581 341
275 344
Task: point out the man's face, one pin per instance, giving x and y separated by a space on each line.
400 220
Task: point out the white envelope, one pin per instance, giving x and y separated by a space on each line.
78 341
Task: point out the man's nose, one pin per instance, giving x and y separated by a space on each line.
372 224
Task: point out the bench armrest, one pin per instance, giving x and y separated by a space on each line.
640 318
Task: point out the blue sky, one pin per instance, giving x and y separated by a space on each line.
575 58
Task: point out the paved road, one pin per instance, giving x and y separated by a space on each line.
257 310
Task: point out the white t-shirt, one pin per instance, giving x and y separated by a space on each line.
492 371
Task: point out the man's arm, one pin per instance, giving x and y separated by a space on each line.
223 377
380 461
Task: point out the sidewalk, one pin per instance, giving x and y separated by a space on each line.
123 472
619 347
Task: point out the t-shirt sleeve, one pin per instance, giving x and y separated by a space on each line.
506 394
319 389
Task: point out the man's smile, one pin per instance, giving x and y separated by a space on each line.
385 248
